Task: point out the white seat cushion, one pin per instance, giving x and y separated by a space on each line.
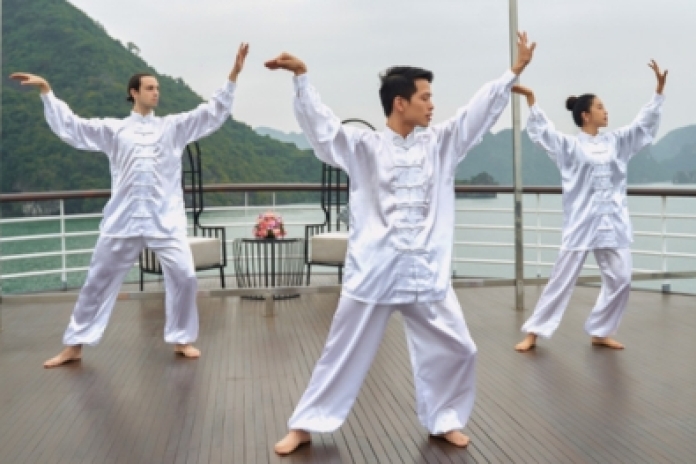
329 247
206 251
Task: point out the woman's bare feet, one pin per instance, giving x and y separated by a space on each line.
188 351
527 344
293 440
69 354
456 438
608 342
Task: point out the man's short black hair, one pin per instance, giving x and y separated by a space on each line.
400 81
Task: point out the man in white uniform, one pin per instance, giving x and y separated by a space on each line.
146 208
400 246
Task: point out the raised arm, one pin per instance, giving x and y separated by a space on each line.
332 142
641 132
541 130
210 116
465 130
83 134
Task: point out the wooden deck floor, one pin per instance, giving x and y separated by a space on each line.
132 401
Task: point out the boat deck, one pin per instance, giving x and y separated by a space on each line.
131 400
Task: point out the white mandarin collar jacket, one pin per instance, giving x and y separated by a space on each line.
594 176
144 158
401 192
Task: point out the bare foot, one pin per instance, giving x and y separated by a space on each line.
527 344
608 342
188 351
456 438
293 440
69 354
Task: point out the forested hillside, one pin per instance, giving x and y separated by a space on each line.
90 70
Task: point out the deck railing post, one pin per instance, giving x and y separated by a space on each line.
64 274
538 234
269 305
666 285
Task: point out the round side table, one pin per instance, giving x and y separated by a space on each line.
264 263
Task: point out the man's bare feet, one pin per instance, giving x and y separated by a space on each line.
69 354
455 437
608 342
293 440
188 351
527 344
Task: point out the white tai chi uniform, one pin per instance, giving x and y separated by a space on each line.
398 259
146 208
595 216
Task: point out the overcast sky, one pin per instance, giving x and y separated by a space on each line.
598 46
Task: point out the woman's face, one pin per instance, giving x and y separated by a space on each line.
597 116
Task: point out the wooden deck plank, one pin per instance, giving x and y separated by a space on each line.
132 400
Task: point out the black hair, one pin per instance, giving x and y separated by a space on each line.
579 105
134 84
400 81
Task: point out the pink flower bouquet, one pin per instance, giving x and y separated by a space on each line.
269 225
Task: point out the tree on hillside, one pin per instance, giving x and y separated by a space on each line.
134 49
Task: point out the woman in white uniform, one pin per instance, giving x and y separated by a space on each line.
593 169
400 246
146 208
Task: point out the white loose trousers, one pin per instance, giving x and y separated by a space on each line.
112 259
442 352
615 266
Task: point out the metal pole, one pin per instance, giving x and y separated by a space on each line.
517 169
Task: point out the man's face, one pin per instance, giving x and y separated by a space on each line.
148 96
418 111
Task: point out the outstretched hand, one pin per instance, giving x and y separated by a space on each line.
525 52
288 62
661 77
239 61
31 79
526 92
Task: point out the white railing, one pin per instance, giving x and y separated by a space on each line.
486 255
533 212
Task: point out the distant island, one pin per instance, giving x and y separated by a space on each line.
482 178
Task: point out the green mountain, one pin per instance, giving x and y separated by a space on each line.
494 156
678 150
672 143
672 157
89 70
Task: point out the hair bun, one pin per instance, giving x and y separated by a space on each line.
570 103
